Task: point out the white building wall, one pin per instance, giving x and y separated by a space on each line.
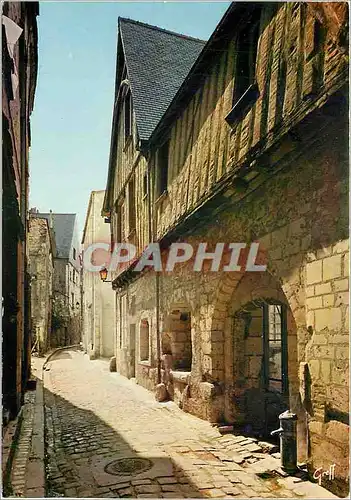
98 297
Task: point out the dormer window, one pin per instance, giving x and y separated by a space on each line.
246 60
128 117
245 90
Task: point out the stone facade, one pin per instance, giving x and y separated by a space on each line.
66 289
41 267
98 298
274 172
19 74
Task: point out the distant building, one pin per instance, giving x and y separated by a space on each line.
19 75
66 314
98 297
41 243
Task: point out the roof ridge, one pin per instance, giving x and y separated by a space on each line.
56 213
157 28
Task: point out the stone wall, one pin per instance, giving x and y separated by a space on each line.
299 216
41 271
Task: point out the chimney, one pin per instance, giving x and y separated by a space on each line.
51 225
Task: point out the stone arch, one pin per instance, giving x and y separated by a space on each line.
235 291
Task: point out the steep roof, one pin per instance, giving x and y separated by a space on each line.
63 225
157 62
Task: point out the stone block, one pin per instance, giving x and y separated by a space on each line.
337 431
328 300
338 397
255 363
323 288
217 336
341 285
314 272
342 352
346 264
161 392
325 370
297 227
310 291
112 364
314 303
316 427
331 267
339 376
328 318
342 298
314 368
254 346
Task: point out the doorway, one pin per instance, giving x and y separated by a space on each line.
262 326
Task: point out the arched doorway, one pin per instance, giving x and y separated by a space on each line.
260 355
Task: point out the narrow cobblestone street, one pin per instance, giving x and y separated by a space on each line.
108 437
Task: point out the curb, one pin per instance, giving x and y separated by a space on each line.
35 474
59 349
9 443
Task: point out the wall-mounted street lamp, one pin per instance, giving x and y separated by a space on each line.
103 275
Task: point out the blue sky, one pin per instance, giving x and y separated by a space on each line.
71 122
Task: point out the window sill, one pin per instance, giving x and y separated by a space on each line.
181 376
242 106
146 362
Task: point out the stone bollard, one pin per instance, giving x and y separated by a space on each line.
112 365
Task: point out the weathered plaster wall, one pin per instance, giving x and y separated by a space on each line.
99 299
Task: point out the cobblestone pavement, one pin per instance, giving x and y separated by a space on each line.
108 437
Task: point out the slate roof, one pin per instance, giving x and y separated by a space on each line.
63 225
157 61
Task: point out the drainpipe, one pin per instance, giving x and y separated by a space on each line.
23 206
158 333
92 333
152 232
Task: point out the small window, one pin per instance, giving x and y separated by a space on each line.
74 254
72 299
162 168
128 115
245 91
144 347
131 206
246 49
